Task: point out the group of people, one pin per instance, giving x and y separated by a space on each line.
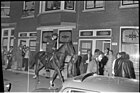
22 57
107 64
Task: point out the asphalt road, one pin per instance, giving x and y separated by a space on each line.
22 82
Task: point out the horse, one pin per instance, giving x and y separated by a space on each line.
56 63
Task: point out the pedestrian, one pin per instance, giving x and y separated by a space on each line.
10 56
108 66
113 64
117 63
19 57
103 61
26 58
23 55
85 60
93 65
125 67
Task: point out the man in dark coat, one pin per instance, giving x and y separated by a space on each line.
124 67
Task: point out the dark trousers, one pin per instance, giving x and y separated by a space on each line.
25 62
85 67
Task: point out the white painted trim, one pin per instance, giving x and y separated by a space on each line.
8 24
55 27
120 42
28 33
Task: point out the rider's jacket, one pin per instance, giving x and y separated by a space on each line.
51 45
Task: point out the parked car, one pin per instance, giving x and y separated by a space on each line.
92 83
7 85
98 83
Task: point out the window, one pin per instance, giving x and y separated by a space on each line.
52 5
47 6
69 5
65 36
46 35
5 8
93 5
96 33
28 8
129 3
7 38
130 44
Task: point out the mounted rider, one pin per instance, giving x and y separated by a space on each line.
51 46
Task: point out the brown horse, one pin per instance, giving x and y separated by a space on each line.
57 61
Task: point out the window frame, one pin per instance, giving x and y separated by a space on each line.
95 8
95 32
30 16
62 8
121 43
4 16
128 5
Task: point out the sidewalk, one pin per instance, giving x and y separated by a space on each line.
31 71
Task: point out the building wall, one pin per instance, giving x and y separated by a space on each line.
112 17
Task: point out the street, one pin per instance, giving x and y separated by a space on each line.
22 82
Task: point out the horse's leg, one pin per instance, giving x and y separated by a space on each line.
58 70
37 72
69 69
53 78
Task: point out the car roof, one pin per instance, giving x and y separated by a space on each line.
103 83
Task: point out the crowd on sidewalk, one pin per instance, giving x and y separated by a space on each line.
21 57
107 64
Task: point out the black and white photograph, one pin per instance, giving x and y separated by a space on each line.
70 46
